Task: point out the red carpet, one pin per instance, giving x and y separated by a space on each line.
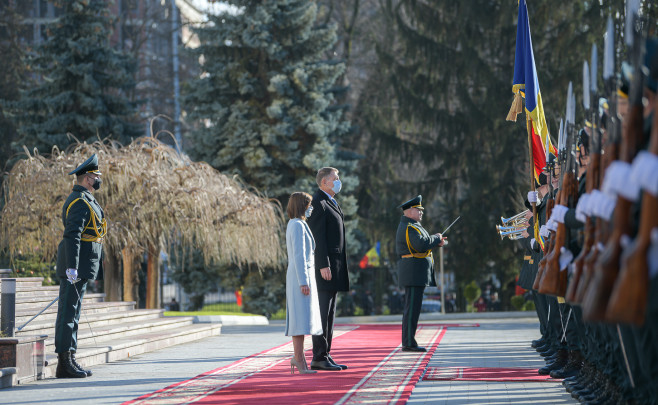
378 372
486 374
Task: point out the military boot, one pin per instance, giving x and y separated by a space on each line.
560 361
539 342
572 367
78 366
66 369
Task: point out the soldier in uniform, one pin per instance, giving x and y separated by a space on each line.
79 259
415 271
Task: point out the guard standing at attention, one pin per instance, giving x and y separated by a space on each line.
415 268
79 259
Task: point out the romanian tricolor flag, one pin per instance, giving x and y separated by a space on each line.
371 258
526 85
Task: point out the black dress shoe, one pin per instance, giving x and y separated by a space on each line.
331 360
413 349
324 365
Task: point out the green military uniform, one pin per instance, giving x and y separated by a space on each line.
81 249
415 271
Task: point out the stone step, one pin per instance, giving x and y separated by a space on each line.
41 327
27 302
26 281
88 308
113 332
89 356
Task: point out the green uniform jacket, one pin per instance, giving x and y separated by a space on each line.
414 272
73 253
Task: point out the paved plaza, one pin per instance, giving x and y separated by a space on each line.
498 342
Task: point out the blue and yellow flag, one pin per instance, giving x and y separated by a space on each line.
526 85
371 258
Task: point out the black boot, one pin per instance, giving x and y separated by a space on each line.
560 361
539 342
66 369
78 366
572 367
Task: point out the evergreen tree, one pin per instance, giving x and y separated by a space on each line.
13 74
265 98
436 117
85 84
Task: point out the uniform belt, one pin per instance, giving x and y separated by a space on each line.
407 256
88 236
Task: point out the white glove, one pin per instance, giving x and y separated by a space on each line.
558 213
582 208
618 181
551 225
543 231
565 257
533 242
72 275
602 205
533 196
652 257
643 171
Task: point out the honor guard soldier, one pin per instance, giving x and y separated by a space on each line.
415 271
79 259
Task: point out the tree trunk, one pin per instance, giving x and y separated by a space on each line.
130 283
112 276
153 279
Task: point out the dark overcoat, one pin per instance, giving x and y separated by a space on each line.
414 271
72 252
328 230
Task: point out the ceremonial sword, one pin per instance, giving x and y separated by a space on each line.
450 226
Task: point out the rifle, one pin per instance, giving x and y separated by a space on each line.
554 281
628 300
591 181
595 301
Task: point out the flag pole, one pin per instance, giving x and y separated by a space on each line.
532 176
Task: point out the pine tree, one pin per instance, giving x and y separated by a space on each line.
13 74
436 116
265 100
84 84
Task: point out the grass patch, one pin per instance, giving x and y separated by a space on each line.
221 308
200 313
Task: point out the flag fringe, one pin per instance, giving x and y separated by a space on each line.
516 108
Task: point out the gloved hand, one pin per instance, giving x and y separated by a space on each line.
543 231
643 171
565 257
72 275
533 196
559 211
551 225
582 208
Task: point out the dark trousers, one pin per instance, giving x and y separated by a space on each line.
68 315
322 343
413 301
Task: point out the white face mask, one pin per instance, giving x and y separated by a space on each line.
337 186
308 211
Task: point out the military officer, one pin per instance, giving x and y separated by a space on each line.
414 245
79 259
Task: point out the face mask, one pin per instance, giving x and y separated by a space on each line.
337 186
97 184
308 211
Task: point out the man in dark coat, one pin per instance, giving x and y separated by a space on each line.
415 269
79 259
331 275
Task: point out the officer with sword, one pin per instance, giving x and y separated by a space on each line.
414 246
79 259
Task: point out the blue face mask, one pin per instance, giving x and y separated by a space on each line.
308 211
337 186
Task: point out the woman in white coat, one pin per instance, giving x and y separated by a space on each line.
302 306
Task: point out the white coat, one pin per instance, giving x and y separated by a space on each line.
302 311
